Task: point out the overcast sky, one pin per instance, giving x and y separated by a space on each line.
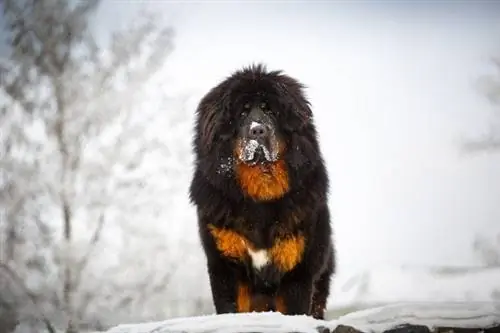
392 88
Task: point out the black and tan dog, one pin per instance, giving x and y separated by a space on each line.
260 187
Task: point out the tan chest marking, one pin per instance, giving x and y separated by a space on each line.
229 243
286 253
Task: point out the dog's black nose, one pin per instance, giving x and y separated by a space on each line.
258 131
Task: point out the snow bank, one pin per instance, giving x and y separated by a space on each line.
228 323
432 315
480 315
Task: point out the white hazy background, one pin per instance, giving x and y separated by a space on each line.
393 87
393 90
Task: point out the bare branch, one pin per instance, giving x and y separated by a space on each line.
96 236
17 279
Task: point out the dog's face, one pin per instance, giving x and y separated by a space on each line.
258 139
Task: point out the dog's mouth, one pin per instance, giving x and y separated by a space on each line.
254 152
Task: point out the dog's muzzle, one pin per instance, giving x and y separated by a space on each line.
259 143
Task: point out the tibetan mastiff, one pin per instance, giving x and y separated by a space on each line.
260 188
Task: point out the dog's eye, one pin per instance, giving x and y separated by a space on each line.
246 108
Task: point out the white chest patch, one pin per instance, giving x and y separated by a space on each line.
259 258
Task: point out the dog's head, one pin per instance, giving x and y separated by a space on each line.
258 118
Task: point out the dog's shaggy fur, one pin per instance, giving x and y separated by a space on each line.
264 224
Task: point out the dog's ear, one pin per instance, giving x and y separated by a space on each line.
294 99
302 139
209 116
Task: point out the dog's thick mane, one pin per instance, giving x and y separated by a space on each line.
215 153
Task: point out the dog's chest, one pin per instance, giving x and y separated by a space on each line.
261 236
260 226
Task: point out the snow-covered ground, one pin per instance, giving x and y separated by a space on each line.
376 320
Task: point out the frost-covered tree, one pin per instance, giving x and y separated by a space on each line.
488 250
25 236
489 86
84 177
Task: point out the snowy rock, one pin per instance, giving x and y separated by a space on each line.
463 317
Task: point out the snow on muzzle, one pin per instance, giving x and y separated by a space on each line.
253 151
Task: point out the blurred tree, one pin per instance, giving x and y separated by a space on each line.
80 160
490 87
488 250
